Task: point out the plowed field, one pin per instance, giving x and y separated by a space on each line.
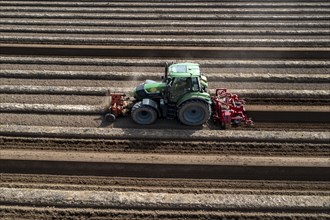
61 159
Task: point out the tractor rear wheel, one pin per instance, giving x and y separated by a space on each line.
142 114
194 112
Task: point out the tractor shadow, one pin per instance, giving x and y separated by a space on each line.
165 124
103 122
138 137
127 122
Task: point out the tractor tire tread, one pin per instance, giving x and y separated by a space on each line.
203 104
138 106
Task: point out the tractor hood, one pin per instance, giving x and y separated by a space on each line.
149 89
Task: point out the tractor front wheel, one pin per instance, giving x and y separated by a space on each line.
194 112
142 114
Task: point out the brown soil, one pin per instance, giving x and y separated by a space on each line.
157 185
206 20
177 147
9 212
164 185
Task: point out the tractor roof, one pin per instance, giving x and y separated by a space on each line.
184 70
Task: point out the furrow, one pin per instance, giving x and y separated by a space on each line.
136 158
221 76
230 147
205 63
32 212
100 40
155 23
163 134
159 184
167 166
198 11
160 16
137 31
174 4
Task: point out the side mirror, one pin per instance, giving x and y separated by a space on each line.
166 69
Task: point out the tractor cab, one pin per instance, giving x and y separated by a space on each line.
181 94
183 78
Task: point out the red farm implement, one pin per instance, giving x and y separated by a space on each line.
228 110
116 105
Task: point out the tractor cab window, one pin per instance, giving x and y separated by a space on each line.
179 69
195 84
180 86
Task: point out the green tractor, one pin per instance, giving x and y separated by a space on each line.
182 94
